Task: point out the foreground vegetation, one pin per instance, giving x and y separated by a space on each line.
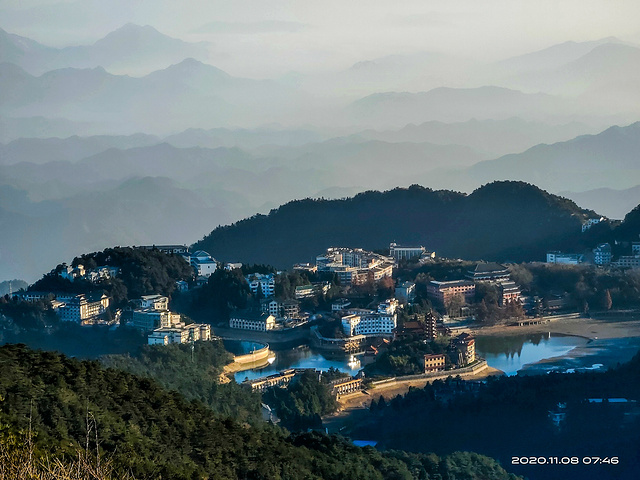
509 416
149 432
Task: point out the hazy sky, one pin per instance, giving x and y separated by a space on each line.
272 37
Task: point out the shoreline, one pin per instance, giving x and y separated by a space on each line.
610 341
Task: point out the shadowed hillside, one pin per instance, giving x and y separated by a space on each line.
499 221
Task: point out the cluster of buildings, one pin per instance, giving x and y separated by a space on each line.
462 351
273 313
380 322
163 327
602 255
82 308
443 293
93 275
355 266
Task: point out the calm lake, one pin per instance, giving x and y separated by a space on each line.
511 353
302 357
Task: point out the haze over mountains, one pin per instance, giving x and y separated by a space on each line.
139 137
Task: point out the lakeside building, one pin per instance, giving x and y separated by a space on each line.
443 292
81 308
180 333
354 266
345 386
564 258
434 363
266 283
488 271
509 292
464 345
182 286
602 254
232 266
367 322
252 320
281 379
635 248
405 292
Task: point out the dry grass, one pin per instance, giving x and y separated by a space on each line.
17 462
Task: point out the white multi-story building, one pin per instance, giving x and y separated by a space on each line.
565 258
265 283
400 252
148 319
203 263
354 265
602 254
180 333
406 292
154 302
369 323
81 307
248 320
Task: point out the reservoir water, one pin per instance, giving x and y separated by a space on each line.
302 357
511 353
508 353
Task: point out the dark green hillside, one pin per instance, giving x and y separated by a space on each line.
499 221
142 272
152 433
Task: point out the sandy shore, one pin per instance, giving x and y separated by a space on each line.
612 340
592 328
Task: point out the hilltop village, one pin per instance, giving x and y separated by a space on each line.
402 310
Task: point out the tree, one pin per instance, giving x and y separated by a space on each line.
607 303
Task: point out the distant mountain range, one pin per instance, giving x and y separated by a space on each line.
455 105
608 201
491 137
500 221
180 96
608 159
131 49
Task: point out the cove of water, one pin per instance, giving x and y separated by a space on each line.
301 357
511 353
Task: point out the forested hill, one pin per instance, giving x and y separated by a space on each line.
150 432
499 221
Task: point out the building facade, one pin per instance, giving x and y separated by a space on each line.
443 292
255 321
434 363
